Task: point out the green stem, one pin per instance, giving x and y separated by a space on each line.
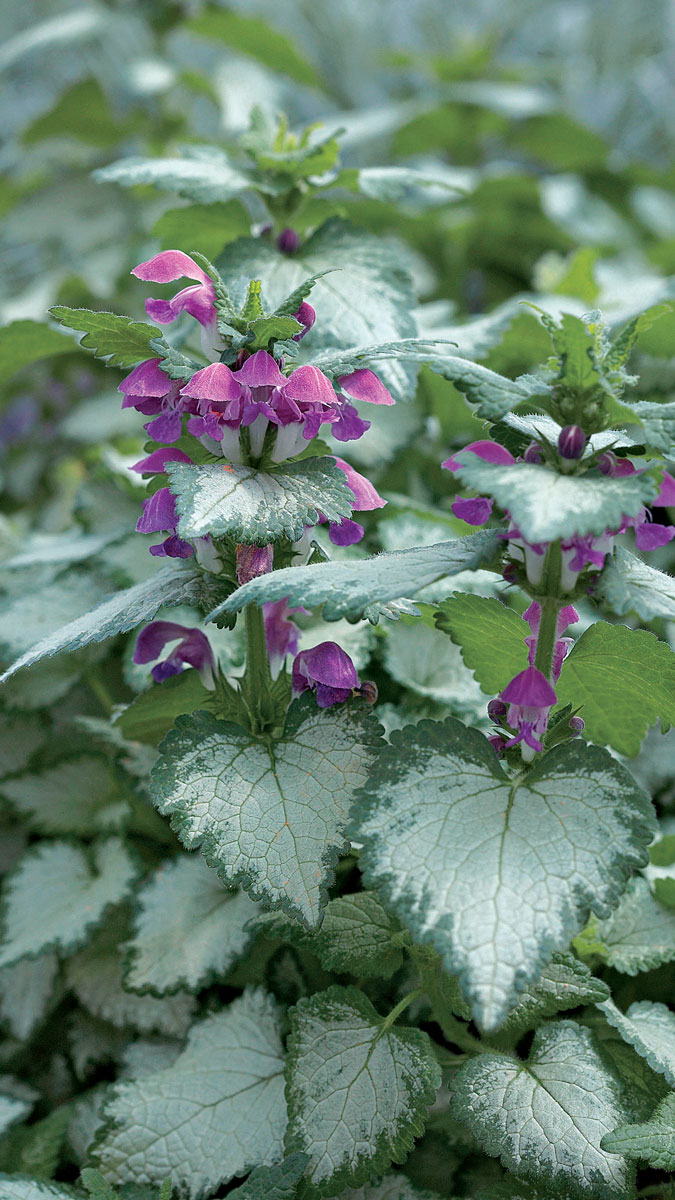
396 1012
101 692
257 681
550 607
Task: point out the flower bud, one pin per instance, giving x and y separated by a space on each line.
510 573
533 454
607 462
577 724
368 691
496 710
497 744
253 561
571 442
288 241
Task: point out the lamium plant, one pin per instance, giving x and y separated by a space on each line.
294 928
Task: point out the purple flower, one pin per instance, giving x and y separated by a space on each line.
252 561
258 395
159 515
152 393
328 670
155 463
281 635
198 300
571 442
533 453
474 512
530 697
366 498
365 385
193 650
288 241
567 616
489 451
306 316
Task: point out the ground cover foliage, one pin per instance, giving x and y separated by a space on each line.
337 608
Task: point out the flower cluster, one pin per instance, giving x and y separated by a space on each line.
244 412
578 551
241 413
522 710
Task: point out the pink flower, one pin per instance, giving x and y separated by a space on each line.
198 300
530 698
193 650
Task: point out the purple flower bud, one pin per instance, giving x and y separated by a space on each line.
281 634
496 710
306 315
253 561
329 670
607 462
577 724
510 573
288 241
497 744
533 454
571 442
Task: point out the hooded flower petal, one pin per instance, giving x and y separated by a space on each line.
475 512
366 497
193 650
281 634
365 385
306 315
198 301
328 670
155 463
650 536
489 451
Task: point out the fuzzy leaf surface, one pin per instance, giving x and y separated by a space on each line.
546 1118
628 584
564 983
55 896
188 930
357 935
26 989
272 819
355 589
497 874
648 1027
258 506
640 934
357 1092
78 797
366 298
623 680
118 614
545 505
217 1112
18 1187
204 174
658 423
279 1182
120 340
95 976
652 1141
490 635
